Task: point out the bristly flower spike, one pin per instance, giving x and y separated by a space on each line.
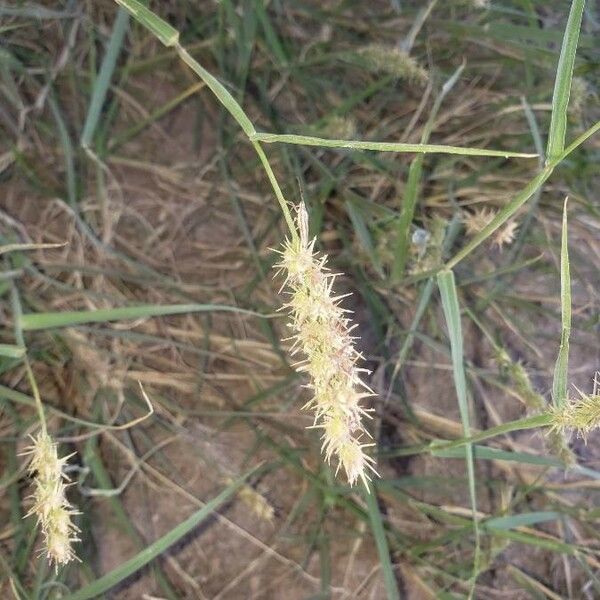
581 415
322 331
50 504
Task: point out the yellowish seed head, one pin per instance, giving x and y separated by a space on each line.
50 504
322 333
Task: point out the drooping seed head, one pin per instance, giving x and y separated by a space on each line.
322 332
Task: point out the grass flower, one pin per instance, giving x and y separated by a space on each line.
394 61
480 218
51 506
520 379
580 415
322 333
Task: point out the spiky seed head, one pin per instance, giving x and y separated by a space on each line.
322 331
394 61
505 236
580 415
50 504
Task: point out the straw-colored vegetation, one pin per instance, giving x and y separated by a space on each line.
184 184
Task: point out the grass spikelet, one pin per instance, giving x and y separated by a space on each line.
50 505
394 61
480 218
255 501
505 236
339 127
322 334
580 415
520 378
477 220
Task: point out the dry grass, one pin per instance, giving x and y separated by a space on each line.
174 209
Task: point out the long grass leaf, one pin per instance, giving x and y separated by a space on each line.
105 74
447 286
561 368
486 453
48 320
562 83
307 140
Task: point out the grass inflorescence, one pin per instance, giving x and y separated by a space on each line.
50 505
151 155
322 333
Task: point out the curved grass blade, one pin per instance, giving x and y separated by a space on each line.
106 582
561 368
562 83
447 286
48 320
307 140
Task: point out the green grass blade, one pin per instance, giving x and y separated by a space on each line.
21 247
527 192
307 140
104 77
12 351
134 564
561 368
65 139
447 286
562 83
409 203
383 550
522 520
34 321
533 422
168 35
219 90
486 453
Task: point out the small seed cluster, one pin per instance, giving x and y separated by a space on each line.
322 333
580 415
50 504
394 61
